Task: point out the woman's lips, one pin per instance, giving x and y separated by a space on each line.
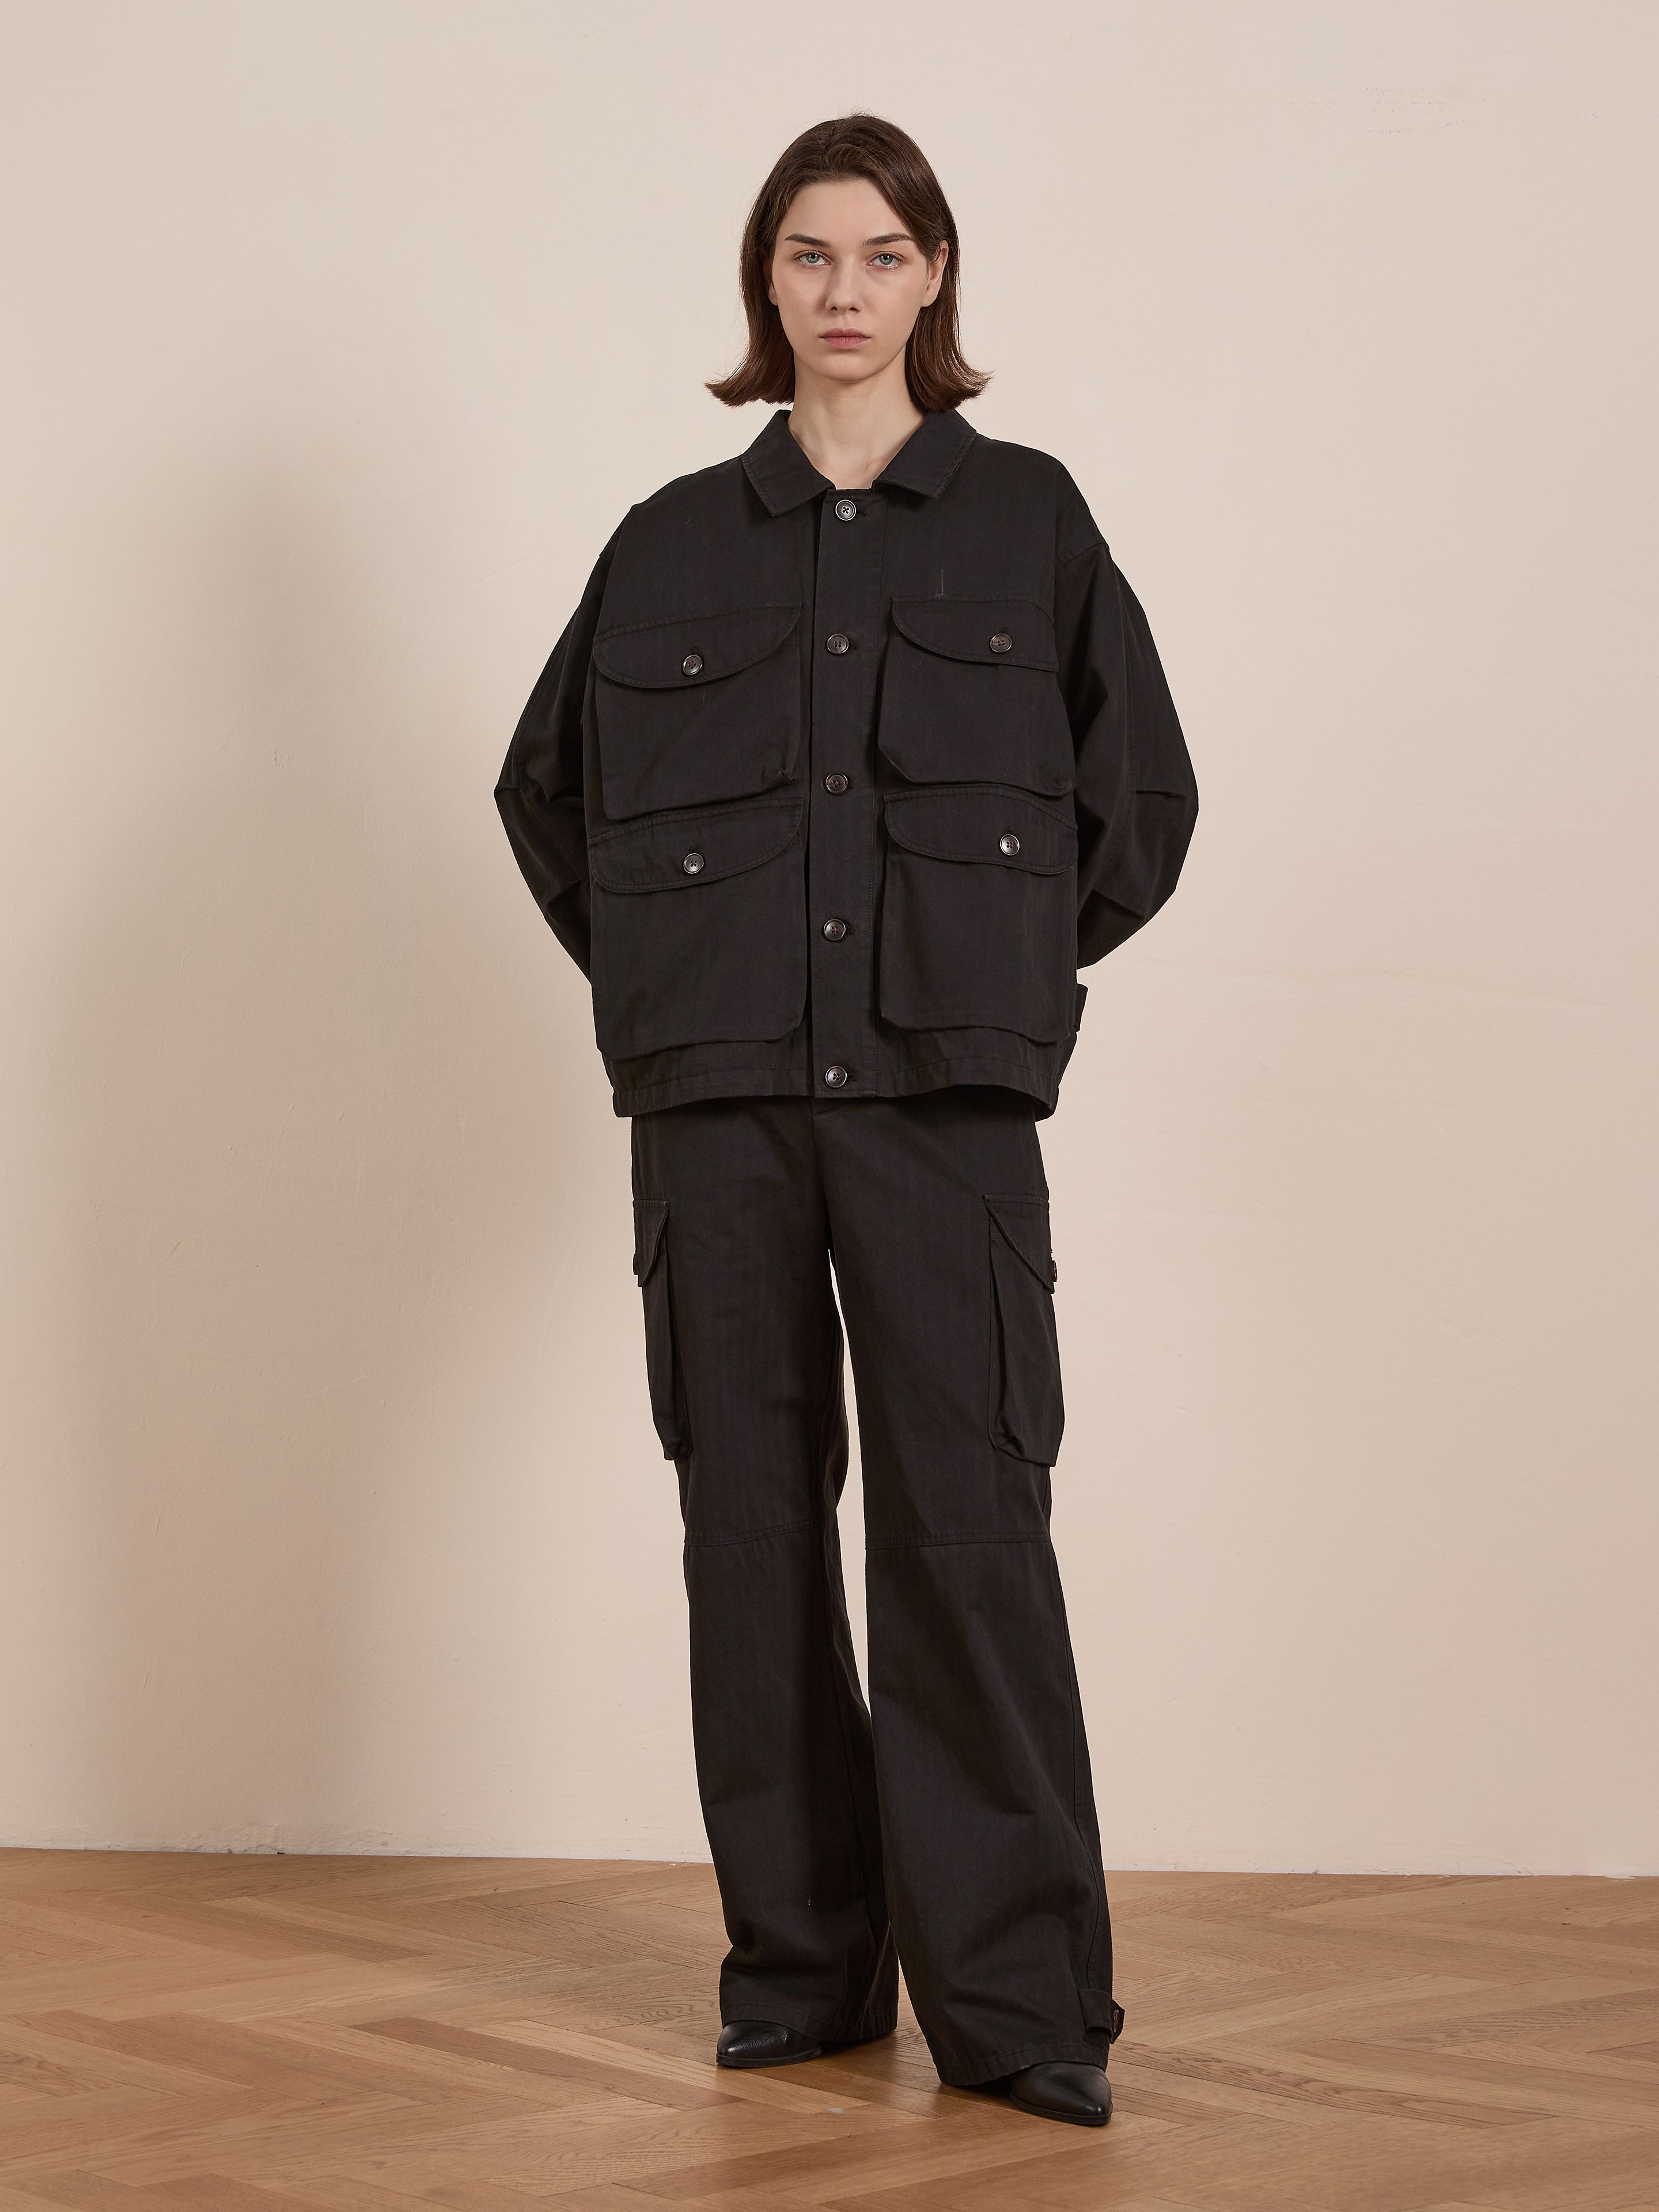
844 338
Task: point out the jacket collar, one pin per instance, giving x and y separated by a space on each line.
925 463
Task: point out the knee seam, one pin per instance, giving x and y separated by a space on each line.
991 1536
749 1535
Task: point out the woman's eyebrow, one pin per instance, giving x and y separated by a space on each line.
887 238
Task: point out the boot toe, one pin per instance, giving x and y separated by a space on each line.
763 2042
1059 2089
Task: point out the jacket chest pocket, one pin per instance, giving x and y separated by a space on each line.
971 689
700 709
978 912
697 934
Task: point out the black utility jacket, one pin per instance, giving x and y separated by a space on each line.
831 793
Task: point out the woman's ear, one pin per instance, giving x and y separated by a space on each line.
936 272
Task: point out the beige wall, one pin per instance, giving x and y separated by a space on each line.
340 335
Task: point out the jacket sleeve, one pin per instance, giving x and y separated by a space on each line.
1136 797
539 794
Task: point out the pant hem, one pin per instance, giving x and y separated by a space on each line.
804 2023
972 2073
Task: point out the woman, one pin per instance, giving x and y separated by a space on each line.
856 748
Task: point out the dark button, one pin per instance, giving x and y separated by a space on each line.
836 783
692 665
694 864
1001 642
835 928
847 510
1054 1273
837 642
835 1075
1008 843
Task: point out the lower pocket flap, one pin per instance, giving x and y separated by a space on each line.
682 852
1024 1224
650 1220
984 823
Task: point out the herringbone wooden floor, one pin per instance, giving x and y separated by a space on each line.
237 2034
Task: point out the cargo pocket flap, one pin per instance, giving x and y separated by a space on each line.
1100 2011
693 649
1024 1223
693 849
650 1220
1000 829
1001 632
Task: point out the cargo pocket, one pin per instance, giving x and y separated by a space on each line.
662 1363
970 688
978 912
702 707
1027 1414
699 928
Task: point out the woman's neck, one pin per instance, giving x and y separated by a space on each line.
849 432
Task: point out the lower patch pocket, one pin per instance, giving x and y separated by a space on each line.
699 928
1028 1413
978 912
662 1363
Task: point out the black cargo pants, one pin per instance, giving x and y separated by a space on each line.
955 1817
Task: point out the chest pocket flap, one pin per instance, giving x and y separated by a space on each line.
1001 632
693 649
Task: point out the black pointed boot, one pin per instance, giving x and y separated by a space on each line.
1061 2089
763 2042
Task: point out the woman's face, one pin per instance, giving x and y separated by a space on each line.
848 281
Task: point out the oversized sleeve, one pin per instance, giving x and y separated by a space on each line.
1136 797
540 794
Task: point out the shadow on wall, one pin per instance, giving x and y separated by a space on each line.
281 1098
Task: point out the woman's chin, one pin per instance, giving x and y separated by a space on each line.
845 365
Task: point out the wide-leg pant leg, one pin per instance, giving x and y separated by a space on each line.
991 1845
746 1357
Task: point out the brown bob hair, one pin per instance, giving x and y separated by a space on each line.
856 145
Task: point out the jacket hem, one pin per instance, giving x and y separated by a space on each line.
902 1081
712 1082
980 1067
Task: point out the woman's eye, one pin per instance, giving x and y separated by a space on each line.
888 260
810 259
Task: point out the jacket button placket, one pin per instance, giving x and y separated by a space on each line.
842 841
